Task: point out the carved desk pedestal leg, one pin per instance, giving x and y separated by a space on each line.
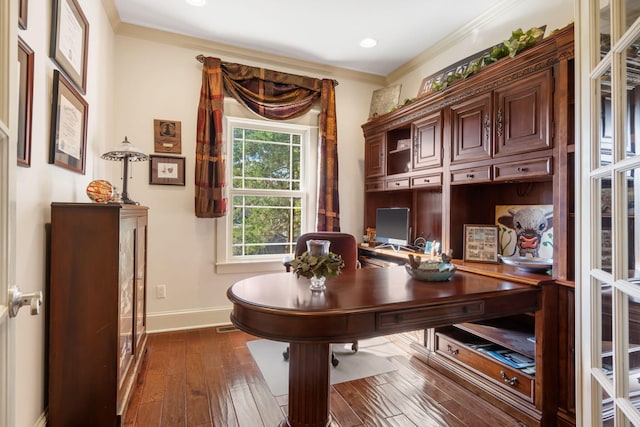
308 385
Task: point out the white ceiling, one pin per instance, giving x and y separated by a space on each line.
321 31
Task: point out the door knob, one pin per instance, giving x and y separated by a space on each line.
17 299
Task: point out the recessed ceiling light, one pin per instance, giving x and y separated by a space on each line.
196 2
368 42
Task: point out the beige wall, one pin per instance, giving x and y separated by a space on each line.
43 183
138 76
162 80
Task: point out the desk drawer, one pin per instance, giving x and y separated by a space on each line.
426 180
377 185
524 169
473 175
509 378
397 184
446 314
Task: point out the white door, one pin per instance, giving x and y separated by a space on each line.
608 189
8 119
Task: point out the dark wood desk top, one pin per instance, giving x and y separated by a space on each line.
370 302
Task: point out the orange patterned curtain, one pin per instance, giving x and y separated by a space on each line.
328 201
280 96
211 200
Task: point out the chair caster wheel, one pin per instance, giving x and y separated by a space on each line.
285 354
334 361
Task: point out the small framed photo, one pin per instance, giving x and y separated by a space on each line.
481 243
69 112
25 103
70 40
166 170
167 136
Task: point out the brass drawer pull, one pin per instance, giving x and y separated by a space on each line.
452 350
512 382
521 169
470 175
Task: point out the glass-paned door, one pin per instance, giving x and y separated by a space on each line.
608 289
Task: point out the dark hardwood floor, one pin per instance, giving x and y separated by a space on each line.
206 377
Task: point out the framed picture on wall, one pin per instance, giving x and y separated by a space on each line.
69 114
25 102
167 136
481 243
23 9
70 40
166 170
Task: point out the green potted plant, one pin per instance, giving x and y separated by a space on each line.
317 266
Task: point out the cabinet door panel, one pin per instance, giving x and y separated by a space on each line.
427 137
141 274
126 286
523 115
374 164
471 129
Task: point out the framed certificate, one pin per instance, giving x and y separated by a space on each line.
70 40
69 114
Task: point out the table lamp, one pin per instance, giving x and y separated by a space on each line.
126 152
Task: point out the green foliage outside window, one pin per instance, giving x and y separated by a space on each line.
265 161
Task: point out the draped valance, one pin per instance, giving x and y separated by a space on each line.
273 95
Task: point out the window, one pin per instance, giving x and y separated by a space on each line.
269 188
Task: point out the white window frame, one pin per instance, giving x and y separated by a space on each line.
225 261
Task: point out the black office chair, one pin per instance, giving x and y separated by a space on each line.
343 244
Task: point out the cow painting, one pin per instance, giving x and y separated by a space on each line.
529 224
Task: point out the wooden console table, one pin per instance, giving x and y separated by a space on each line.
358 305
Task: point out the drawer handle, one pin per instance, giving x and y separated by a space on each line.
521 169
425 181
452 350
469 175
512 382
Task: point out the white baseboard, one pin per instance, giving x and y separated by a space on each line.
42 420
187 319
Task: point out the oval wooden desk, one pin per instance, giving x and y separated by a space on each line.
357 305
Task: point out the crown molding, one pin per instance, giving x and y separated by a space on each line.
237 53
454 39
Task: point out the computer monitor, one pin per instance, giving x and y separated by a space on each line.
392 228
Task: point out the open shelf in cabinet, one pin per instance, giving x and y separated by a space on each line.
515 333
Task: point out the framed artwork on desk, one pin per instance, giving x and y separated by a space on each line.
481 243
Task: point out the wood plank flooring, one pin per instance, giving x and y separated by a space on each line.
204 377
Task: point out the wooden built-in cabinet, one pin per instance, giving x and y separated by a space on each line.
502 136
97 311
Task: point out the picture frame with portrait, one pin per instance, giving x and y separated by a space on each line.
166 170
167 136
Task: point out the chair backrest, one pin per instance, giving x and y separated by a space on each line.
343 244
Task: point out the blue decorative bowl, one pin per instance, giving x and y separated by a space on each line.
431 272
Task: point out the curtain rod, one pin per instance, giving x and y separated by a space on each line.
201 58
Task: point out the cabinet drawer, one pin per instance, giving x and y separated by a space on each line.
479 174
377 185
509 378
523 169
396 184
426 180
